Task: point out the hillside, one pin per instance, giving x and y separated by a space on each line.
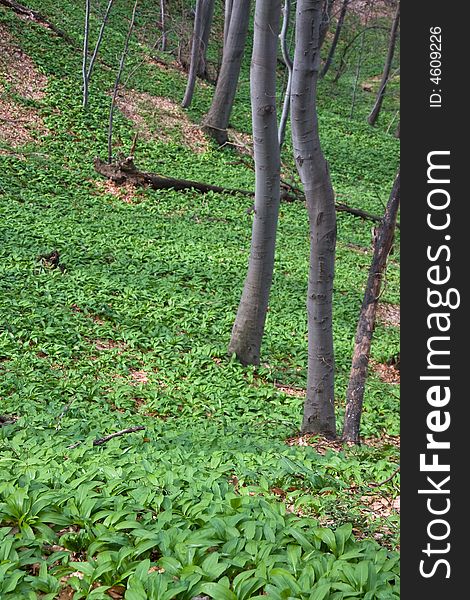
216 494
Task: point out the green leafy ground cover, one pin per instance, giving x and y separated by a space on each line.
209 499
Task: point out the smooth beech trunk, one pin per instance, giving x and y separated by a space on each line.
218 117
374 113
365 326
227 17
319 408
249 324
334 43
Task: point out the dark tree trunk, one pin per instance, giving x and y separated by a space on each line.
207 24
365 327
374 114
218 117
319 409
334 43
195 52
249 324
326 20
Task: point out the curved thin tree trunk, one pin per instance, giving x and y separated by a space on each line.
163 24
195 52
218 117
334 43
85 54
366 324
100 39
118 81
207 24
374 113
289 65
319 409
326 20
249 324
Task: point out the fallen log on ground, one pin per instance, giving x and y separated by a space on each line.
125 171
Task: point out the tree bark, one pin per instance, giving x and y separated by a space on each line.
249 324
365 326
374 114
227 17
289 65
326 20
195 52
319 409
218 117
334 43
207 24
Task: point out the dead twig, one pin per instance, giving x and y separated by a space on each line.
106 438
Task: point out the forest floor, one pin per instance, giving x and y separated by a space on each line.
128 327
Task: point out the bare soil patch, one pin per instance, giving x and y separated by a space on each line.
388 314
19 79
290 391
125 192
160 119
387 373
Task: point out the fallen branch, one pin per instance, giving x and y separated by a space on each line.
37 17
359 213
106 438
124 171
386 480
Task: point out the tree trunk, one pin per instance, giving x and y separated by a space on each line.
319 410
207 24
85 54
97 47
374 114
326 20
289 65
163 25
334 43
218 117
117 82
195 52
249 324
365 326
227 17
